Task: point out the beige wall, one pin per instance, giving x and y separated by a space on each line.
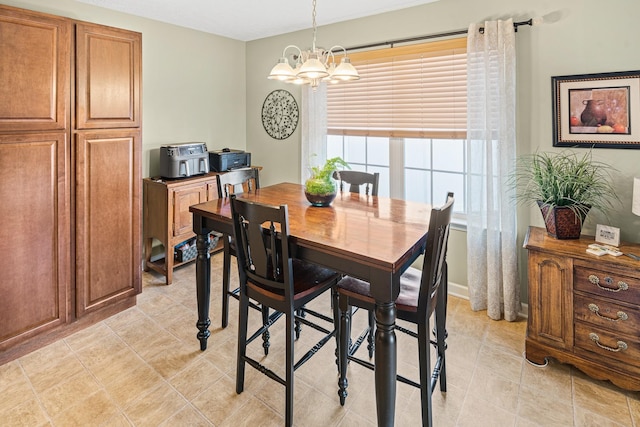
201 87
193 83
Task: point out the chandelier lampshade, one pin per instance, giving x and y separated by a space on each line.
314 65
313 68
345 71
282 71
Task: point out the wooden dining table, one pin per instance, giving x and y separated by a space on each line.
372 238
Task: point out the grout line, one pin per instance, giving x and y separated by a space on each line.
35 393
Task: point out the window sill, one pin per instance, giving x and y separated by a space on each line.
459 224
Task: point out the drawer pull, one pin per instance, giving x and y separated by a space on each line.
621 344
621 314
622 286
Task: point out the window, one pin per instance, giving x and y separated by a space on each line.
367 154
406 119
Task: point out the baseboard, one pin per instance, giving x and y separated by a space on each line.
462 291
459 291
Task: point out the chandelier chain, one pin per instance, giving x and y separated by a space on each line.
313 16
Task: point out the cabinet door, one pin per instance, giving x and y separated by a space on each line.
108 216
34 235
108 70
550 299
184 197
34 70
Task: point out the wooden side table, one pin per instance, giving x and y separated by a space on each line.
166 216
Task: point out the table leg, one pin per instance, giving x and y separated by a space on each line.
386 355
203 286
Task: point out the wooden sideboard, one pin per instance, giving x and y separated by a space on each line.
166 215
584 309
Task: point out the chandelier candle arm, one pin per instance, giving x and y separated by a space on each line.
315 65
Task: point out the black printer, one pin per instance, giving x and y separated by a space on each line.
228 159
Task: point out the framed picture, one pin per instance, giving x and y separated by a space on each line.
597 110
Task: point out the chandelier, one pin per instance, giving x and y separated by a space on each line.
314 66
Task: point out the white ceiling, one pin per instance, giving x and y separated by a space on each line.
252 19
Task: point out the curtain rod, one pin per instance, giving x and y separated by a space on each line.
432 36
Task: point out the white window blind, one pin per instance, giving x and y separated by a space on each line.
416 91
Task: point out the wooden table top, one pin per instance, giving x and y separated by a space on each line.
378 231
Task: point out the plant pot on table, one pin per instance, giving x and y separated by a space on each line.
564 222
326 191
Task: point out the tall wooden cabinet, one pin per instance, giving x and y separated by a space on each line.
70 176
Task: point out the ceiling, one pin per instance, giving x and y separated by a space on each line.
252 19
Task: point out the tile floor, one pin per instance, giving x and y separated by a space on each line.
143 367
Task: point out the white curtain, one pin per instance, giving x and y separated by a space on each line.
313 150
492 266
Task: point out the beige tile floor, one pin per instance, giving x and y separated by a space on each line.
143 367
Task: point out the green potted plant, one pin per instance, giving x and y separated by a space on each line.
320 188
565 187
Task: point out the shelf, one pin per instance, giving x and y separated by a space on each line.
159 266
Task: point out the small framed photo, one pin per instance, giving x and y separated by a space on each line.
608 235
597 110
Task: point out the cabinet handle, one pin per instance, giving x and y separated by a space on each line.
621 314
622 286
621 344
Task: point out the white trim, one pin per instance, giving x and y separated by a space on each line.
461 291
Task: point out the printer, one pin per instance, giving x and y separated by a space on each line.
228 159
184 160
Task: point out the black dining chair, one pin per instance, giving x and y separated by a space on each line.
421 294
358 180
270 275
233 182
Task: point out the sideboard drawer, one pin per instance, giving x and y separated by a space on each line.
607 284
607 345
607 314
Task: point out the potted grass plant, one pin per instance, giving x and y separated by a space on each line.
320 188
565 186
